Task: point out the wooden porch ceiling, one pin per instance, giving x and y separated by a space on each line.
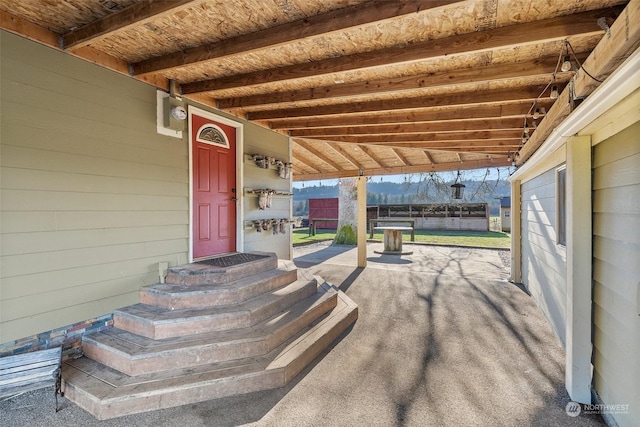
361 86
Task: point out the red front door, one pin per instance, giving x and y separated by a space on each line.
214 187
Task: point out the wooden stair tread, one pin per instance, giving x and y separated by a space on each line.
156 314
137 346
179 289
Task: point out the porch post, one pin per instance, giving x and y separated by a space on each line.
579 277
516 230
362 221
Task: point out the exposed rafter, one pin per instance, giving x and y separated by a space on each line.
486 73
513 35
135 15
501 96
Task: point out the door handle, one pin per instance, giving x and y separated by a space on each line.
234 199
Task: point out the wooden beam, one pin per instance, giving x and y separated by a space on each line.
490 161
428 137
15 24
345 154
307 146
472 145
486 73
438 114
428 156
430 127
501 96
546 30
606 57
135 15
400 157
336 20
305 161
372 156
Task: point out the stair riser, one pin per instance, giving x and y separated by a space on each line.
225 297
297 365
200 355
112 408
221 322
230 274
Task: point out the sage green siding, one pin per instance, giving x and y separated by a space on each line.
92 197
616 272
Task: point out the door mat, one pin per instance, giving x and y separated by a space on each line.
231 260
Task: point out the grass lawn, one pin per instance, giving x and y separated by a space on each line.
482 239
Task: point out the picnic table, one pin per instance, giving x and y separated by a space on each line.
392 221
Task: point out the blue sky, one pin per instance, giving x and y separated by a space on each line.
476 174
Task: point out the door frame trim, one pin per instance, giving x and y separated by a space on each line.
239 173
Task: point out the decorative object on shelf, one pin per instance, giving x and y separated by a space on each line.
277 226
263 162
265 196
284 169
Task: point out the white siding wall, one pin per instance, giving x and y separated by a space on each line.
92 197
544 264
277 146
616 247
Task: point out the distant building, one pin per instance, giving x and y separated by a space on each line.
505 213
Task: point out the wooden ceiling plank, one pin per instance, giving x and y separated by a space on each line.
307 146
413 116
606 57
434 127
460 144
486 73
490 161
135 15
551 29
336 20
516 94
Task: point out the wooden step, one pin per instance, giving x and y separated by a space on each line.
159 323
177 297
137 355
107 393
207 273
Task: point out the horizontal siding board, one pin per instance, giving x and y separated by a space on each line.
54 280
618 174
544 262
16 265
26 243
622 256
627 144
16 308
620 227
78 105
12 330
54 69
31 200
28 222
32 179
616 271
623 281
118 144
619 200
30 158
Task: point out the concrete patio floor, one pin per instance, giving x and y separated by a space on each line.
442 339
